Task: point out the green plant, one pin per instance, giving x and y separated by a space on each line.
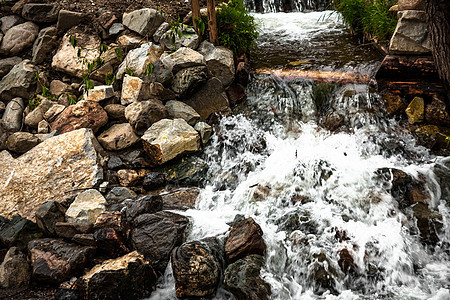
176 29
36 99
129 71
149 69
119 53
368 18
237 28
110 78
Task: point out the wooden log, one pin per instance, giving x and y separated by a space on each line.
212 23
424 88
195 5
403 67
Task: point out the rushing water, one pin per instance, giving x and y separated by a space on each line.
315 192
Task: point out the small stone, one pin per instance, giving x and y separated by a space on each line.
40 13
115 163
110 219
99 93
12 117
115 112
154 180
204 130
14 271
53 112
118 137
88 205
131 177
141 115
416 110
118 194
116 28
8 22
33 118
21 142
131 89
57 87
84 239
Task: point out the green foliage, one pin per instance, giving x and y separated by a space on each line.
368 17
149 69
129 71
110 78
119 53
237 28
201 24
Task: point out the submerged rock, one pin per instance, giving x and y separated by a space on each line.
48 172
429 223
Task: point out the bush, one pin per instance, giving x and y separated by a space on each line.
237 28
368 17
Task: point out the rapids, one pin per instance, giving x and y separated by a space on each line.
315 192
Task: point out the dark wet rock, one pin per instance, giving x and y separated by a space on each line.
68 19
436 112
346 262
18 232
68 230
84 239
141 115
127 277
144 205
244 238
48 215
321 273
180 199
130 178
66 294
186 81
21 142
110 219
156 235
433 137
243 280
236 94
189 170
110 242
298 220
394 104
429 223
15 270
84 114
198 267
220 61
333 121
442 172
154 180
118 194
40 13
242 73
55 261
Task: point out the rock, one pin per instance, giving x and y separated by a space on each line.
431 136
69 230
21 142
346 262
115 29
333 121
242 73
204 130
48 172
118 137
143 205
162 74
209 99
99 93
84 114
19 82
236 94
244 238
411 5
88 205
18 232
411 35
138 59
57 87
53 112
399 184
429 223
40 13
190 171
180 110
197 268
68 19
154 180
44 44
6 64
115 112
186 81
110 243
243 280
394 104
66 59
33 118
143 21
160 31
436 112
156 235
130 40
118 194
180 199
54 261
43 127
12 117
131 90
155 90
110 219
48 214
2 108
220 61
84 239
131 177
127 277
167 139
183 58
415 110
141 115
14 270
173 41
19 38
8 22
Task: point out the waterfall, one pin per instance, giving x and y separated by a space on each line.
286 5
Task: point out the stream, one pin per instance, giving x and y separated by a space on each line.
315 191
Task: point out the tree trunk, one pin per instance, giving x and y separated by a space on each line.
196 16
438 20
212 23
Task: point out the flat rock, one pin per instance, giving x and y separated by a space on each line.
131 89
127 277
40 12
220 61
143 205
44 44
118 137
84 114
115 112
19 82
416 110
138 59
100 93
166 139
48 172
68 19
19 38
183 58
143 21
55 261
141 115
7 22
69 230
88 205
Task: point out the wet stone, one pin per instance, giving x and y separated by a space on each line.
18 232
110 242
48 215
154 180
69 230
180 199
143 205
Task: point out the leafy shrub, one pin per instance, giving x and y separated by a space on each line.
368 17
237 28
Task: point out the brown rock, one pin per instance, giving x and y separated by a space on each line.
110 242
118 137
21 142
346 261
394 104
115 112
131 177
436 112
411 4
110 219
141 115
245 238
236 94
68 230
181 199
84 114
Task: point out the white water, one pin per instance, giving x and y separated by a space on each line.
275 143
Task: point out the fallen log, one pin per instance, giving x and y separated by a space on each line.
407 67
410 88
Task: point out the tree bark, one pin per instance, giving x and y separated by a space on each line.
212 23
196 16
438 21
